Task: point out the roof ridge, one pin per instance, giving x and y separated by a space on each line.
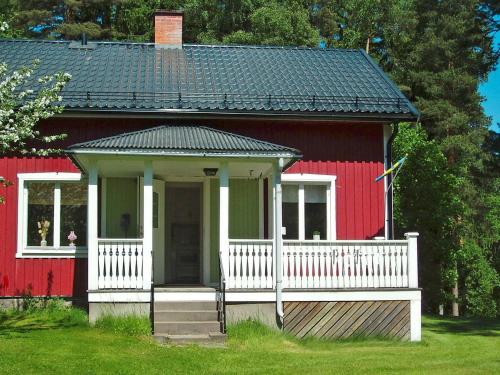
198 45
116 136
245 137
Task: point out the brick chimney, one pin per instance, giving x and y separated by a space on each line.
168 28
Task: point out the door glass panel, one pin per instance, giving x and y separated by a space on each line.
290 203
40 214
315 211
74 213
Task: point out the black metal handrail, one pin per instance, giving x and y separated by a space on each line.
221 297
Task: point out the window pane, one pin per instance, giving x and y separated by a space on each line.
291 211
315 211
74 213
40 213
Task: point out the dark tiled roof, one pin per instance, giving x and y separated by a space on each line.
135 77
184 139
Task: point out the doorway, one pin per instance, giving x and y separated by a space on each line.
183 233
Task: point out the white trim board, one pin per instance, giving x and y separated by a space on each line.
56 251
258 296
329 181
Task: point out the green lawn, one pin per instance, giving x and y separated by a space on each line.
37 344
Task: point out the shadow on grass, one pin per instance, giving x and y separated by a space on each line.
463 326
15 323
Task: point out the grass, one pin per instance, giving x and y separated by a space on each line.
132 325
60 342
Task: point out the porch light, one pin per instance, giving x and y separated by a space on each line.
210 172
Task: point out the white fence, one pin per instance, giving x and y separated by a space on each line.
121 264
250 264
324 264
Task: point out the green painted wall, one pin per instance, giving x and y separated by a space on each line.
243 215
121 197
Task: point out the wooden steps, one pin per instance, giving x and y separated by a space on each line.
187 322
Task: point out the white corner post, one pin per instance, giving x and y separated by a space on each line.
412 259
92 220
224 216
147 241
415 303
278 237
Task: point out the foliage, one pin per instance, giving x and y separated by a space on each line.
133 325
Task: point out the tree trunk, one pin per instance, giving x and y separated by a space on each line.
454 305
367 45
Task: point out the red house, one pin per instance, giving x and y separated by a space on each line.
205 184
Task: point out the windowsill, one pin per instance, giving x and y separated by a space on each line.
52 252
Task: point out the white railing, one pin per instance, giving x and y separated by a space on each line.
325 264
121 264
250 264
345 264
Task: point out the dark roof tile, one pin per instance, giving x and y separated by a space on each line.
131 76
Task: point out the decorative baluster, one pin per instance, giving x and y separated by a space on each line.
119 261
251 258
269 265
322 267
387 266
262 260
133 265
394 281
404 263
101 250
140 266
364 266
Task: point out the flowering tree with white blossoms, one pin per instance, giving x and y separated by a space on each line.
21 108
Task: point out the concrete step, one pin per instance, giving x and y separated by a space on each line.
210 339
186 306
179 316
186 328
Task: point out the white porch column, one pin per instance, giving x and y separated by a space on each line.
224 215
415 304
412 259
147 224
92 218
278 236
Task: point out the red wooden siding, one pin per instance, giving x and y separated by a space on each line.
40 277
352 152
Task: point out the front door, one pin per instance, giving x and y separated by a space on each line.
183 232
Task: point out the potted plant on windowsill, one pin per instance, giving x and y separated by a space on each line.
316 235
43 230
72 238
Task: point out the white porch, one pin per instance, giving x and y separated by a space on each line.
253 270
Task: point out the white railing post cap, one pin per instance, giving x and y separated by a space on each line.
411 235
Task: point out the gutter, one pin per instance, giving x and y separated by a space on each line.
279 241
195 114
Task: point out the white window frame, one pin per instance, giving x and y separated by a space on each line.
55 251
302 179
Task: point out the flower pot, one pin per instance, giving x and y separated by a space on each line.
43 243
316 237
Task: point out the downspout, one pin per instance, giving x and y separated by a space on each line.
278 240
390 191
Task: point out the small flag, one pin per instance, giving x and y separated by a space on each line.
397 166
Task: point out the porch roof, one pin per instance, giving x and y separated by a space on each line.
184 140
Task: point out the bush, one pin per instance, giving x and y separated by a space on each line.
133 325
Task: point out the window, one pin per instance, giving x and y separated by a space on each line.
308 207
51 207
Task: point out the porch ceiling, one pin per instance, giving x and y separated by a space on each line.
173 168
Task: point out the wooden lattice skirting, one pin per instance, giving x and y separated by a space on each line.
348 319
